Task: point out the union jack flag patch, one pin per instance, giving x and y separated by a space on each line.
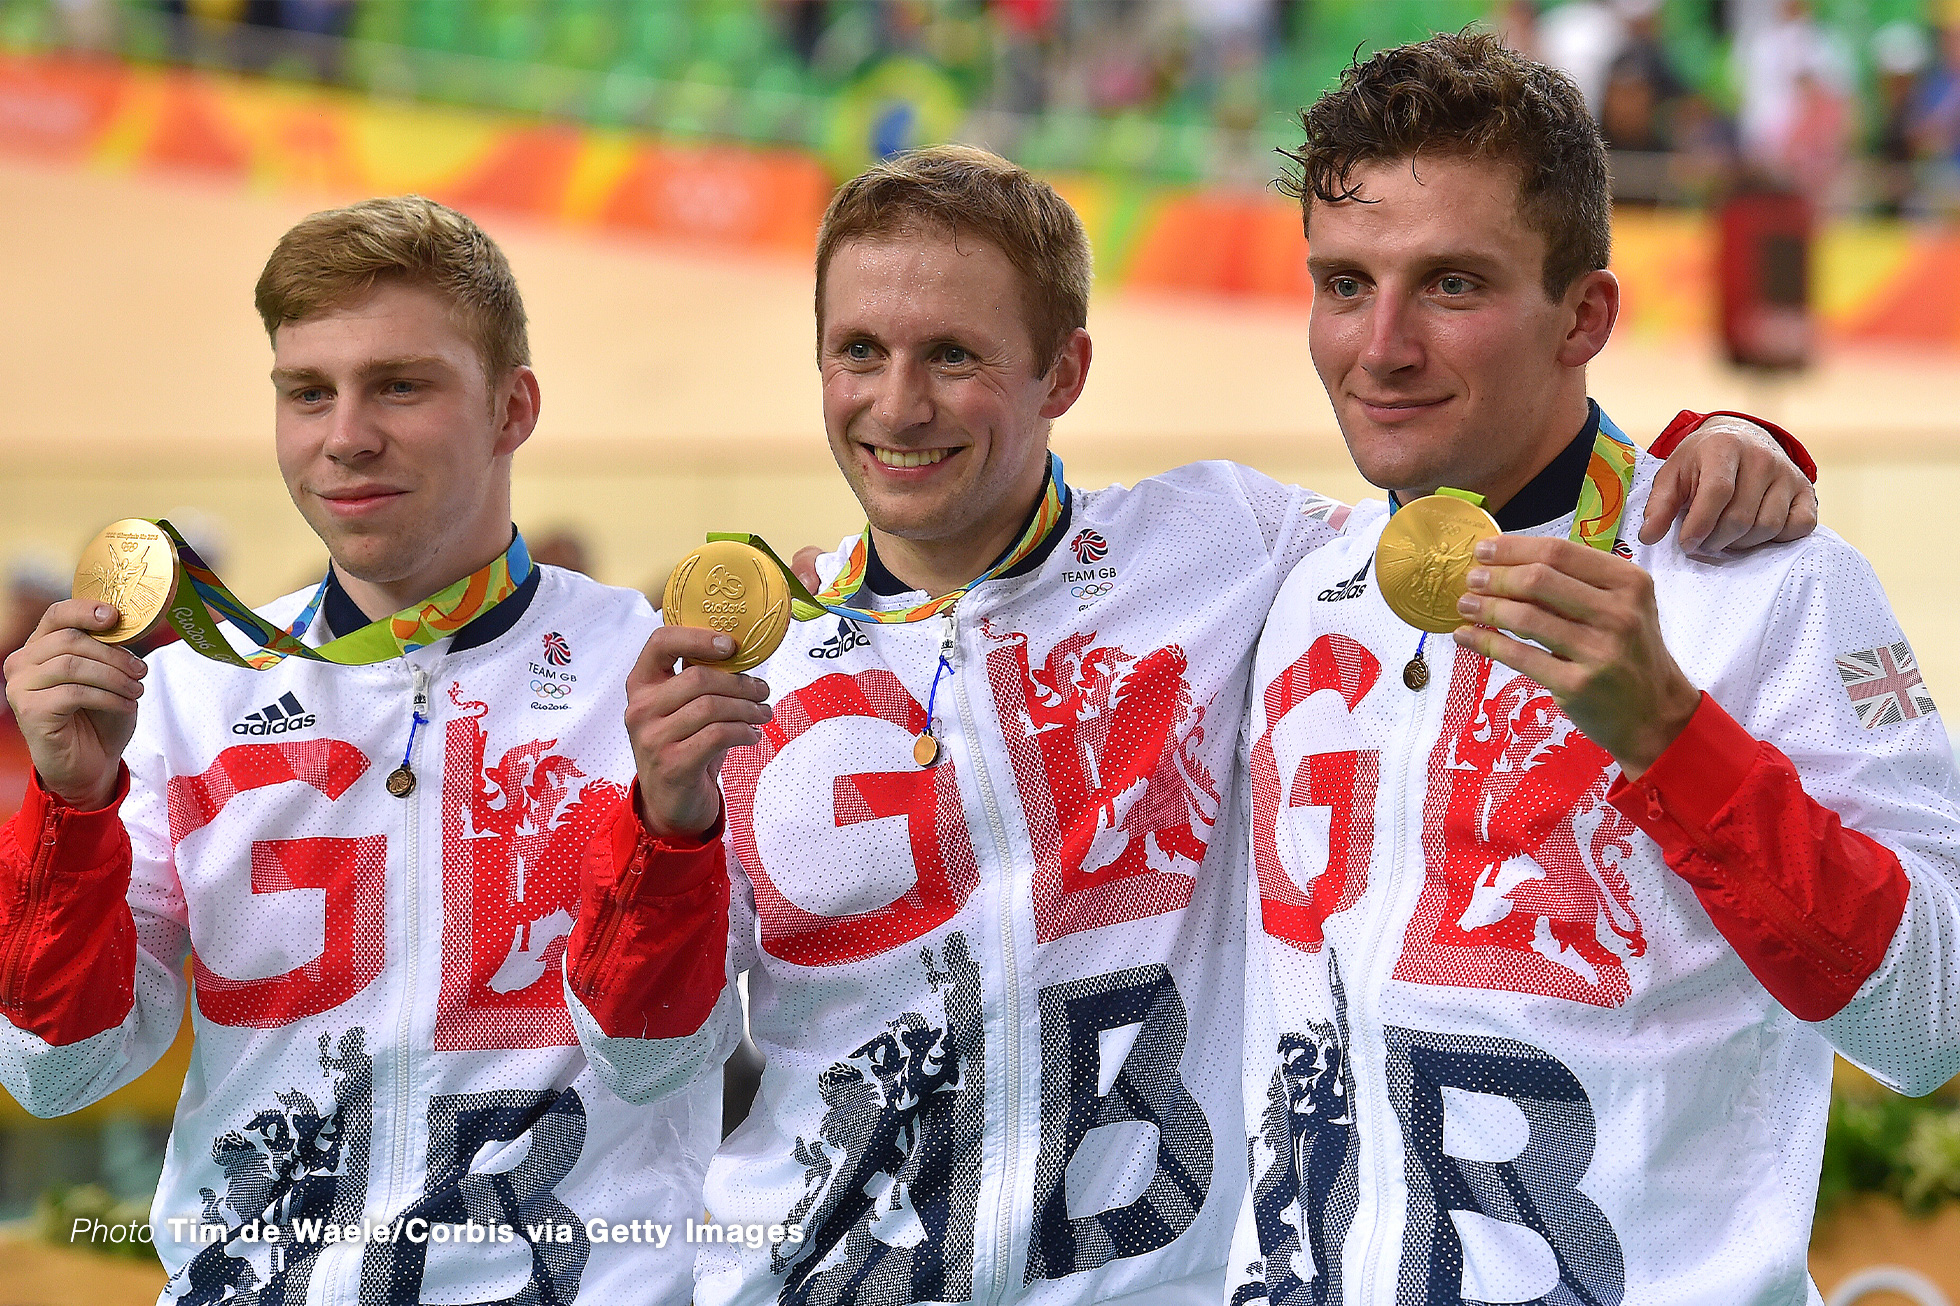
1884 685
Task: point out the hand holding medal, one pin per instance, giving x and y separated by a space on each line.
737 589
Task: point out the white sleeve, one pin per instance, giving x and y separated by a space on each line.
1837 690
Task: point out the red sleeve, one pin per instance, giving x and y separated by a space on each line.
67 938
651 944
1685 421
1808 905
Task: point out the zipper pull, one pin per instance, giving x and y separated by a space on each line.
401 780
949 637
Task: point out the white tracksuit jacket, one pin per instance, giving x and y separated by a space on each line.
1496 1050
380 1021
1000 996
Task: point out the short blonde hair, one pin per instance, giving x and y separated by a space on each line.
959 189
339 255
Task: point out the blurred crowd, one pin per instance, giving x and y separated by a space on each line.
1855 103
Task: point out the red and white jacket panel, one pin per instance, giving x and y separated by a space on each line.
999 997
1518 1029
380 1024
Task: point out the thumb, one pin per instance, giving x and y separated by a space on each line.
1670 492
804 564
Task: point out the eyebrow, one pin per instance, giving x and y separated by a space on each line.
1461 258
371 368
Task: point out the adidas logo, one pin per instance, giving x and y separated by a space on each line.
1350 588
278 718
848 637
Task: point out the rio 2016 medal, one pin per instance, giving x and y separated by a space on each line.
1424 558
132 566
736 589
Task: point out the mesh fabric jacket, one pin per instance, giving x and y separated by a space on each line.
999 995
381 1034
1517 1030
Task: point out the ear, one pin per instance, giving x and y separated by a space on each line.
517 407
1067 377
1592 305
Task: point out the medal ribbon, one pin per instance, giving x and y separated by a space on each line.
1602 495
440 615
836 596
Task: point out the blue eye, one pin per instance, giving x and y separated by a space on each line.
1453 285
1345 287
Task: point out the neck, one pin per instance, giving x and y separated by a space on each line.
940 566
378 599
1499 482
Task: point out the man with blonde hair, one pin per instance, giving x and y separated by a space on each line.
370 855
987 855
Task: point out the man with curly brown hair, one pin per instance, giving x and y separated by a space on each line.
1556 921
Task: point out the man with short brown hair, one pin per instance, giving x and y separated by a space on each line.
369 852
1551 947
986 855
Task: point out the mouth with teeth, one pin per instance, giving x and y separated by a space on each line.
903 458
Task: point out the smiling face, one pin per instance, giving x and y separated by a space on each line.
1446 361
936 406
393 443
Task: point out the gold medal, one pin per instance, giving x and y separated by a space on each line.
736 589
1423 561
925 750
132 566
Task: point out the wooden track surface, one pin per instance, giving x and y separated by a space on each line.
680 395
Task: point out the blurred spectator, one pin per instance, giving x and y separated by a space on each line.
1642 87
1794 86
1516 24
1818 139
1899 57
32 584
564 547
1936 124
1581 40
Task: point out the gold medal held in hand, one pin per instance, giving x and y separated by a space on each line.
132 566
1424 558
734 588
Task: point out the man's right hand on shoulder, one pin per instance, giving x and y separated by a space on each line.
682 724
74 699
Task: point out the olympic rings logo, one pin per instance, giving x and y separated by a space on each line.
549 689
1094 591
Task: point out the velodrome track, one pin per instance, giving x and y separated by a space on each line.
680 396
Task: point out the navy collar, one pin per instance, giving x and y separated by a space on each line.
1554 492
344 616
880 581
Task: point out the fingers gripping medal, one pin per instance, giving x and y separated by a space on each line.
132 566
1423 564
734 588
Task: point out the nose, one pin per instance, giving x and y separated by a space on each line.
904 397
1392 344
352 434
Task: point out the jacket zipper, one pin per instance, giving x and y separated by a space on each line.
411 892
1366 1016
1011 1080
36 878
585 975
